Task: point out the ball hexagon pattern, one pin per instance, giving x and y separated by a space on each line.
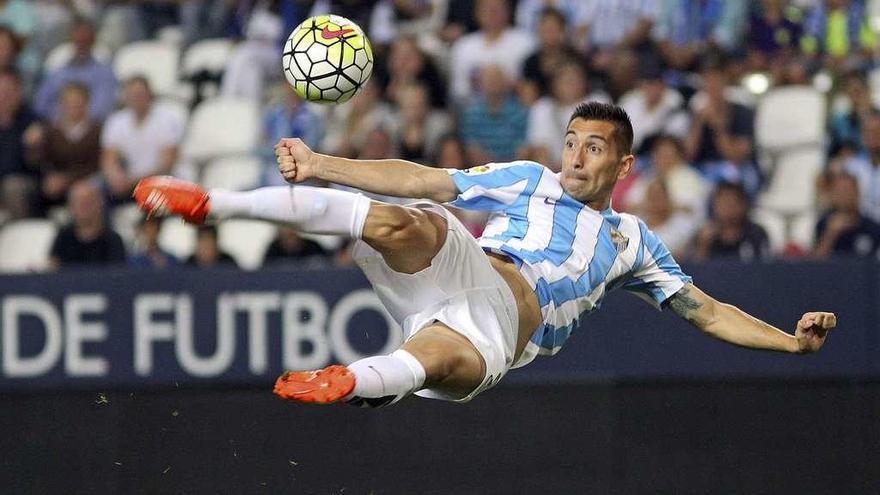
327 59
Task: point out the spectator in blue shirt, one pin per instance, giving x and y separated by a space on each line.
494 125
288 118
82 68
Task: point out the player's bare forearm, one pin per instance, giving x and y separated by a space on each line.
730 324
391 177
399 178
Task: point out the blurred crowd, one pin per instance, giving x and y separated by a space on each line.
459 83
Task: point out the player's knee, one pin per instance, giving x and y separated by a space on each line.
444 359
401 226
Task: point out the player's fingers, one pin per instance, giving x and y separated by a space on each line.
829 320
282 150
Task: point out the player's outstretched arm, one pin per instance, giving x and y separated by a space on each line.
400 178
730 324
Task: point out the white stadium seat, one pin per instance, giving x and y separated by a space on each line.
178 238
788 117
789 136
59 56
25 245
209 55
124 221
246 240
234 173
176 107
155 60
221 127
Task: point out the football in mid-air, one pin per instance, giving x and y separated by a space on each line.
327 59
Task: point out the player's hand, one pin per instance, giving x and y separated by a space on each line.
812 329
296 161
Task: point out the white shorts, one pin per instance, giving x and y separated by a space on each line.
461 289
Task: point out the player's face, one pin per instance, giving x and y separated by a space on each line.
591 163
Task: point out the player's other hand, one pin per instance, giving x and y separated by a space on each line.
296 161
812 329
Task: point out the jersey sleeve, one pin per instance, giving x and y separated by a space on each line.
656 275
494 186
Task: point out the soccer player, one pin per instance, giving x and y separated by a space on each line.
471 309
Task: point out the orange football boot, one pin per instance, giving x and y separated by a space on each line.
325 386
162 195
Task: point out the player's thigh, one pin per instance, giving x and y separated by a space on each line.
451 362
407 238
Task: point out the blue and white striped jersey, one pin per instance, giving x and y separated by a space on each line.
569 253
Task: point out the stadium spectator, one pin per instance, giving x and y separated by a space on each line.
496 43
684 28
729 233
654 108
21 17
10 48
203 19
865 166
87 240
450 153
554 50
548 117
208 253
774 33
844 230
418 128
494 125
288 116
347 126
393 19
140 140
845 121
530 15
616 24
148 253
406 64
19 136
290 249
720 138
685 186
82 68
254 62
837 30
674 227
71 146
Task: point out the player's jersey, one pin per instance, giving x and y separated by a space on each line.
571 254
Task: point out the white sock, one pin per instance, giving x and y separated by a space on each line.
315 210
383 380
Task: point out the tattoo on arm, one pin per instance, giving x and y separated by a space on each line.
684 305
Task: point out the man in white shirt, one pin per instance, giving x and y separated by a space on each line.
654 108
496 43
138 141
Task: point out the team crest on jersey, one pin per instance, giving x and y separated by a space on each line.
482 169
620 241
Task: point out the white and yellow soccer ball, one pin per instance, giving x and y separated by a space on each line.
327 59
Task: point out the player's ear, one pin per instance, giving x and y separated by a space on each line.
626 166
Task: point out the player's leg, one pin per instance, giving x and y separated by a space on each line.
437 357
408 238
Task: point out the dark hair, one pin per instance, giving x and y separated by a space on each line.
607 112
17 42
553 12
12 73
